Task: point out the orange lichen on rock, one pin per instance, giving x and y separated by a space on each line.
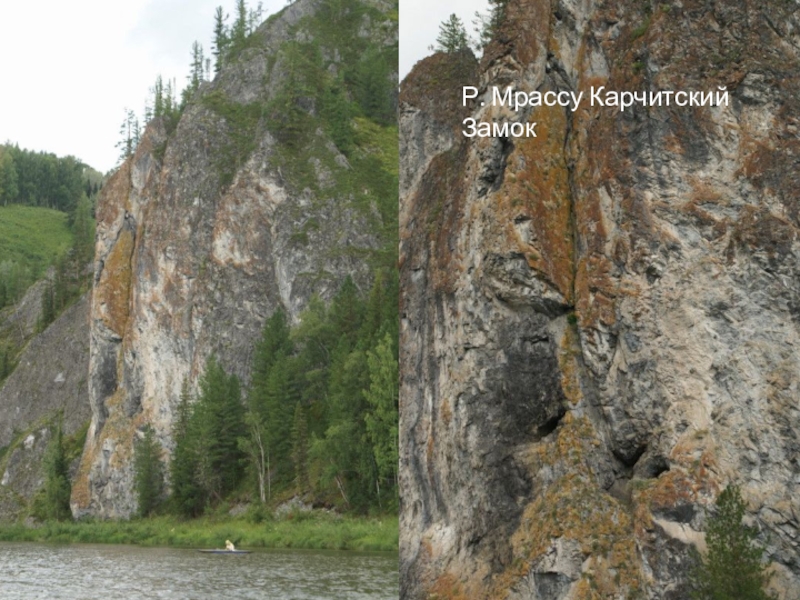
447 587
537 188
569 367
80 495
443 182
112 294
574 508
117 187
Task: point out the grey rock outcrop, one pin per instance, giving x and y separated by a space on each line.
599 326
202 235
48 385
51 376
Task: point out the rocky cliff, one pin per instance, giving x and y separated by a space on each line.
247 206
599 326
48 387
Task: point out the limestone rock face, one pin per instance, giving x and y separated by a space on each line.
51 373
48 386
599 326
202 235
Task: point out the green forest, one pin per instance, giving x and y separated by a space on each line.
319 418
46 206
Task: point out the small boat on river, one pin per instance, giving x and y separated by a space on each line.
229 549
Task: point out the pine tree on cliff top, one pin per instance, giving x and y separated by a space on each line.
732 569
487 24
452 35
221 39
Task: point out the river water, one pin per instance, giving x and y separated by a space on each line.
89 572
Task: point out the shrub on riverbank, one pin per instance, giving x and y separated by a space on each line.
311 531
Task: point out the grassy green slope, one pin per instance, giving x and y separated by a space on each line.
33 237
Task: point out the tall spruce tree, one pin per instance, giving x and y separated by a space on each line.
487 24
198 66
157 92
258 443
381 419
300 447
52 503
338 115
452 35
732 569
129 135
373 87
148 473
8 178
239 29
221 38
280 398
216 425
5 360
186 498
83 234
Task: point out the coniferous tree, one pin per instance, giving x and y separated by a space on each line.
254 17
373 87
48 313
339 452
171 108
258 443
239 30
217 425
5 361
487 24
221 39
148 473
300 447
186 495
382 418
129 132
288 119
256 447
338 115
452 35
732 569
196 75
158 98
8 178
61 285
83 233
52 503
280 398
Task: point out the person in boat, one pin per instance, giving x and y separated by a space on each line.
229 546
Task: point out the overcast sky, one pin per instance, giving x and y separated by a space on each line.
419 25
70 68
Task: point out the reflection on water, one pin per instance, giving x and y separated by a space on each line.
89 572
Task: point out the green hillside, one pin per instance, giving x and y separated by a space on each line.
31 238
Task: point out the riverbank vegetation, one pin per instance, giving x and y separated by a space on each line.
317 530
